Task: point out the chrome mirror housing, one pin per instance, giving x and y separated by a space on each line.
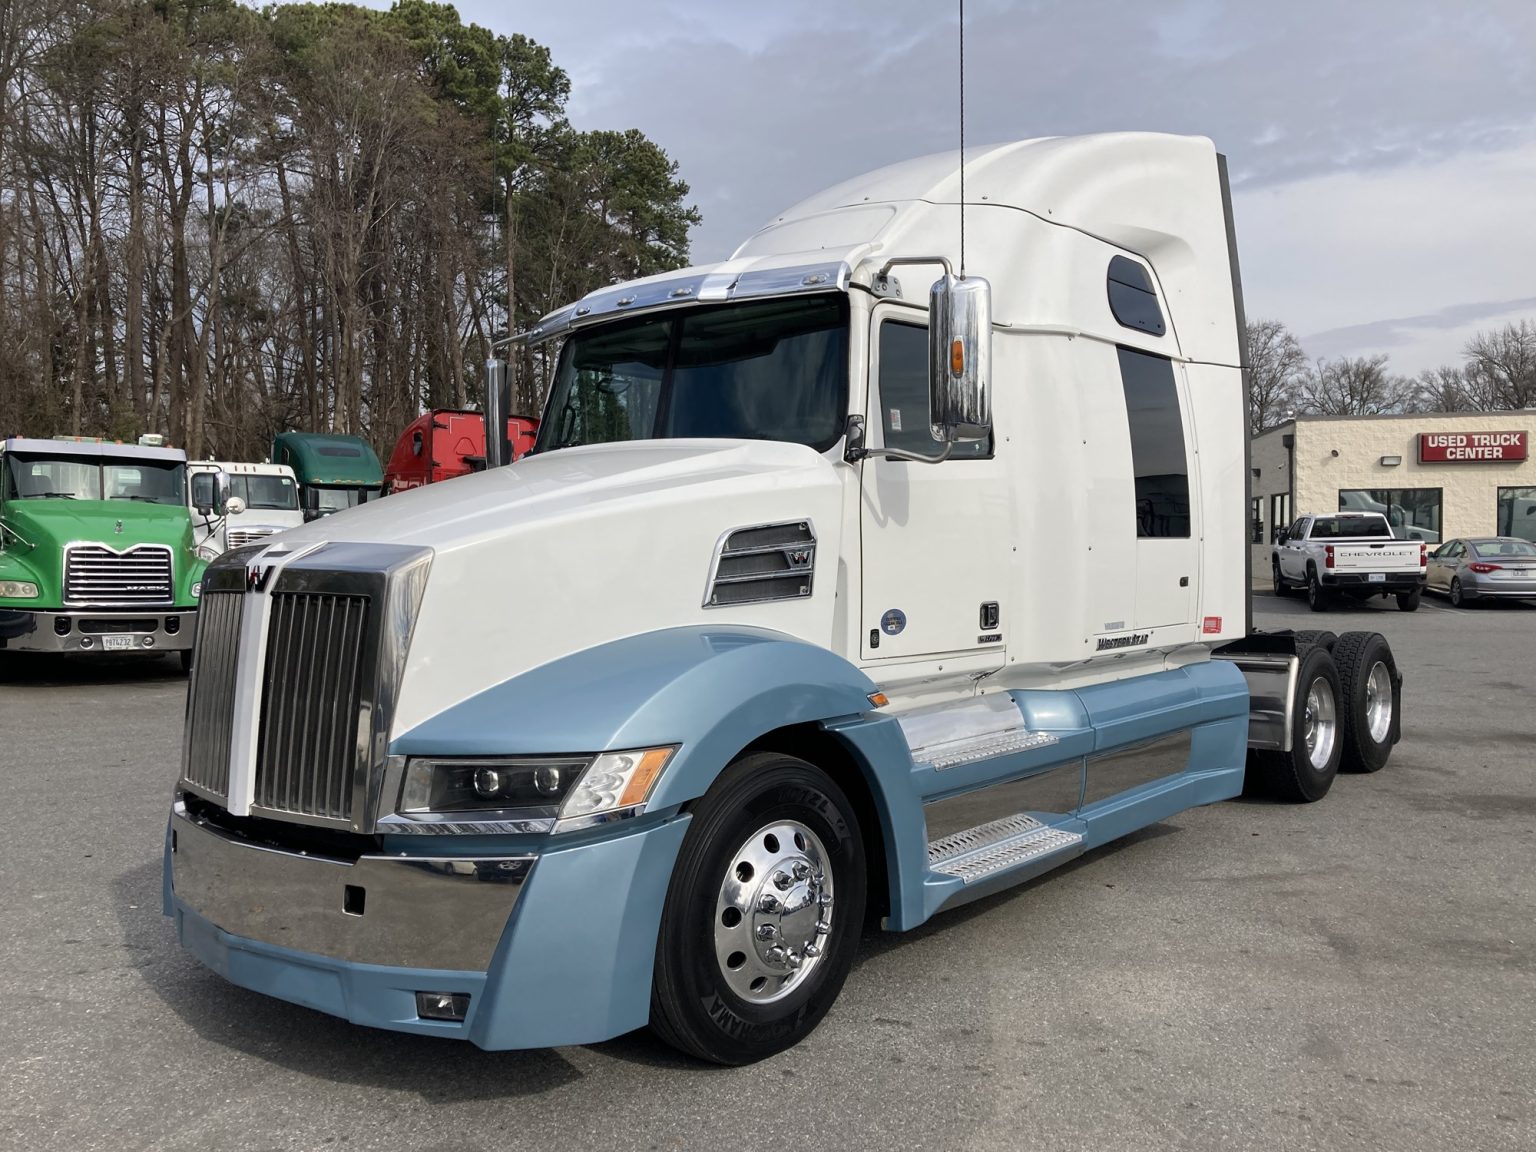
960 359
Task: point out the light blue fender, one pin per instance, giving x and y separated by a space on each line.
575 963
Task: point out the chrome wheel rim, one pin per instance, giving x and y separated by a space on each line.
774 912
1320 723
1378 702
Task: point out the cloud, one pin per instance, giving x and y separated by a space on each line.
1388 104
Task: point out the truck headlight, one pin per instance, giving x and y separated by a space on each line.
197 590
208 552
18 590
577 790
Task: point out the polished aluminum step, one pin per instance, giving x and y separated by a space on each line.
966 731
994 847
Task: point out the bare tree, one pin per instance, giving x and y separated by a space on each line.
1352 386
1501 366
1276 368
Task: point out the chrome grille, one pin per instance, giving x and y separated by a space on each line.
96 575
314 734
768 562
239 537
211 699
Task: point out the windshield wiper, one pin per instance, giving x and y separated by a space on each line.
48 496
146 499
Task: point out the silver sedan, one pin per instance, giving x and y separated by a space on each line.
1486 567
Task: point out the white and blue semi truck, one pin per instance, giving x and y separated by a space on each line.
850 579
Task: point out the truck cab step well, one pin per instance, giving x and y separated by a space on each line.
979 852
967 731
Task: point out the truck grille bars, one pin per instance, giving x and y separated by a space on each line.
96 576
327 666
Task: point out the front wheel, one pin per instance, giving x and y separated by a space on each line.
1280 586
763 913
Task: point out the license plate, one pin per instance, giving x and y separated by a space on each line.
1377 578
119 643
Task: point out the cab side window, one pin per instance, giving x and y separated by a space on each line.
903 394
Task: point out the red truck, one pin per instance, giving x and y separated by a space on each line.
448 442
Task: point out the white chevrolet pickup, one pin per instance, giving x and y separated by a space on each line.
1348 554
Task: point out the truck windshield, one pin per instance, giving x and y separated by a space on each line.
323 500
277 492
30 476
769 370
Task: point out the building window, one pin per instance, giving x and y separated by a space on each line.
1157 444
903 375
1132 298
1517 512
1414 513
1256 519
1279 514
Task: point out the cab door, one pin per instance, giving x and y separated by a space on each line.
935 537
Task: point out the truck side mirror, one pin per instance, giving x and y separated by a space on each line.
960 359
234 506
311 505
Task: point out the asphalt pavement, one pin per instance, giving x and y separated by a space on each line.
1359 973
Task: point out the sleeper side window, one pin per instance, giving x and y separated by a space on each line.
1158 458
903 394
1133 299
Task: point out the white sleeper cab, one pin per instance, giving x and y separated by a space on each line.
847 579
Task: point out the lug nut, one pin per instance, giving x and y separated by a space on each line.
769 903
813 950
766 931
822 927
825 899
781 880
802 870
793 960
777 954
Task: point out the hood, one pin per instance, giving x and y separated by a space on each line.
563 551
55 523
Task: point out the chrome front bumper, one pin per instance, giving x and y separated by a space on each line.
87 630
442 912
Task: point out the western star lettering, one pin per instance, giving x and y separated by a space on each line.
1131 641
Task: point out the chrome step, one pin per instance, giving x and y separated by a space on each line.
994 847
963 732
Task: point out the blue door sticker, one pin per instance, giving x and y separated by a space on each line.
893 622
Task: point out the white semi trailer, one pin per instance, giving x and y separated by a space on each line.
849 577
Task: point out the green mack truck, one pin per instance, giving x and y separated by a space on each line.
96 549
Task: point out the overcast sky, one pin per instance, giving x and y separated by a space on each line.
1383 151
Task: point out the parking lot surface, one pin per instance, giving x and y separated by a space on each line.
1359 973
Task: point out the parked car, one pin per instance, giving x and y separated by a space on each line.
1486 567
1348 554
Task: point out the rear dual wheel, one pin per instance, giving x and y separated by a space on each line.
763 913
1370 700
1306 772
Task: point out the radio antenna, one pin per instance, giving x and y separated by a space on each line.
962 139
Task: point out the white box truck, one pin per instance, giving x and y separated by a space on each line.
235 503
847 579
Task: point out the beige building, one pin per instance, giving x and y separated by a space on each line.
1434 476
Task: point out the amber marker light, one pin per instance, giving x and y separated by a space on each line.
957 357
652 761
879 699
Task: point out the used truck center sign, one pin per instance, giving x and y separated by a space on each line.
1466 447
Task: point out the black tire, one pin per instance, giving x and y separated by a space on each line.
1293 776
1409 601
1317 596
1310 638
1358 656
1281 587
186 661
692 1006
1459 599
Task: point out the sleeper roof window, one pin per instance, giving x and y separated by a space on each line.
1133 299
